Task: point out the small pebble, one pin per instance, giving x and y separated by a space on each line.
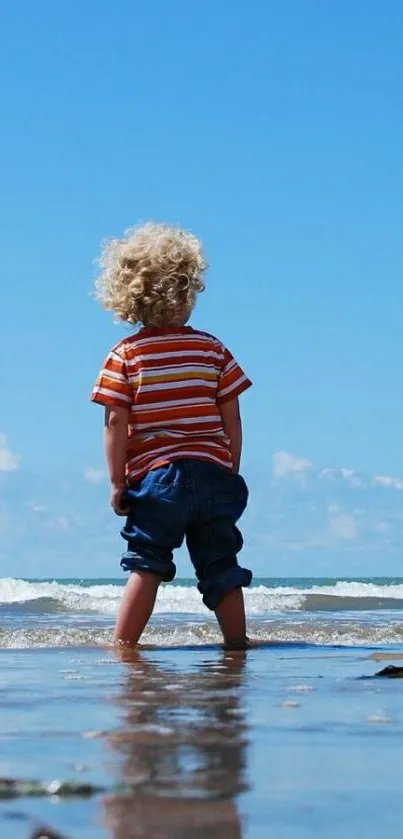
53 788
378 718
301 689
79 767
90 735
45 833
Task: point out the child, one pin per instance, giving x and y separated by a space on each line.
173 433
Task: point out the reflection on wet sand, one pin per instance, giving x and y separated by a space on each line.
182 745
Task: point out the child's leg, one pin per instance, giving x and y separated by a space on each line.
213 542
136 606
230 614
153 529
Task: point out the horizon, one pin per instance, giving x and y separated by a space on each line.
192 580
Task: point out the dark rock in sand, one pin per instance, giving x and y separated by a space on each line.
14 788
391 672
46 833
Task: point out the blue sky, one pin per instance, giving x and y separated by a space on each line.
273 130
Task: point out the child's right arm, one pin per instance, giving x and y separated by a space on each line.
116 426
231 420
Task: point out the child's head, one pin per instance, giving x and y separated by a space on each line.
152 275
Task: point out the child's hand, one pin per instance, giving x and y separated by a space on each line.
119 506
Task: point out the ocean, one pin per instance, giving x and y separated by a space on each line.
81 612
293 738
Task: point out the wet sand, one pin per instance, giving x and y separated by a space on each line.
287 740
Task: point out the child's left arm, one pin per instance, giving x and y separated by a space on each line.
116 430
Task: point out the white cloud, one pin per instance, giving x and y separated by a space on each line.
382 527
94 476
343 526
62 523
388 482
358 480
348 476
36 508
8 461
286 463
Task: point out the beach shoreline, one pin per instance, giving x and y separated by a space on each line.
226 744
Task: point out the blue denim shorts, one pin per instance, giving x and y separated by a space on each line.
193 500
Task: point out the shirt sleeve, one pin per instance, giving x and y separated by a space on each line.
232 381
112 386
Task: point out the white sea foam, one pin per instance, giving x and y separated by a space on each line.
165 634
261 599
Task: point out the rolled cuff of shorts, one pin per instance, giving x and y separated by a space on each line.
217 586
163 568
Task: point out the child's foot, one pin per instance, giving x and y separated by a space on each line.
237 644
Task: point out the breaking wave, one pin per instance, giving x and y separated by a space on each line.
42 598
166 634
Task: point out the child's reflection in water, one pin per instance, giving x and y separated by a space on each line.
182 746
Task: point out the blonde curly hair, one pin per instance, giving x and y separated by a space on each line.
152 275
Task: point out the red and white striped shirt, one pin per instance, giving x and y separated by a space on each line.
172 380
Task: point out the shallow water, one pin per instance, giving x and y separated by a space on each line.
184 740
202 743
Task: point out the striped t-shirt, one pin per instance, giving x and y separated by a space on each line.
172 380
